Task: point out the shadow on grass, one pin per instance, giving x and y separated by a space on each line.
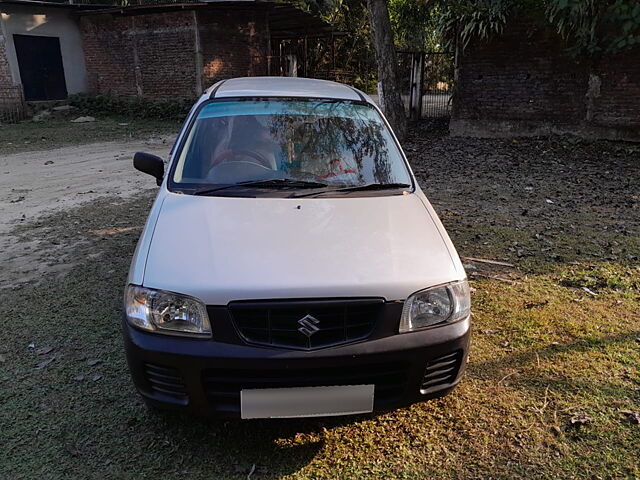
522 369
496 369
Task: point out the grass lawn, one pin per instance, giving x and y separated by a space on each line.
554 366
60 132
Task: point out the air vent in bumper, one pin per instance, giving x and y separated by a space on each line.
166 382
441 371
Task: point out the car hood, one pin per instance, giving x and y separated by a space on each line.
221 249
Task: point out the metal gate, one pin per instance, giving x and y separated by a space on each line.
427 83
12 105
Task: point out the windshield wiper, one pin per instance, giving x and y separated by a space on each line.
355 188
274 183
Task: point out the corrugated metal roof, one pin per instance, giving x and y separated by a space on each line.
40 4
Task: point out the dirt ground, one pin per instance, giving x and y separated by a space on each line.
539 200
43 182
552 389
479 187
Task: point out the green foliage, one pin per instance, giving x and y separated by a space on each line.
464 20
590 27
593 27
414 24
354 52
130 107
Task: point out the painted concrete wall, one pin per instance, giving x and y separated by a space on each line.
49 22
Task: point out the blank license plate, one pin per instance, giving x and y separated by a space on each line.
306 401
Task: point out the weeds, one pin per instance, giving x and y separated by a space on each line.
101 105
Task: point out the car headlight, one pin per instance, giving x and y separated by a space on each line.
165 312
444 303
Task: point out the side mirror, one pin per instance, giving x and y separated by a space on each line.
151 164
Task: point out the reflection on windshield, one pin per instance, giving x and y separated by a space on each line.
336 143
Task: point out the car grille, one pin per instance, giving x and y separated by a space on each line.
223 386
166 382
441 371
305 325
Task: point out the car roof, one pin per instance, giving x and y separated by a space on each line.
283 87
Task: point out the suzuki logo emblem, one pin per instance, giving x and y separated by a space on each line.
308 325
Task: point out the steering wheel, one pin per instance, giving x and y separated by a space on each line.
229 154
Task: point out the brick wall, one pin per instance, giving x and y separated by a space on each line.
523 83
145 55
155 55
234 43
618 97
11 101
5 73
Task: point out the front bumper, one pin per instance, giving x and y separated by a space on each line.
206 376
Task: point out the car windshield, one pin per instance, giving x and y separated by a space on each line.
288 144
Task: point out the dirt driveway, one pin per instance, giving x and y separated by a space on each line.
43 182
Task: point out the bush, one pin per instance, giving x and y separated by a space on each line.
130 107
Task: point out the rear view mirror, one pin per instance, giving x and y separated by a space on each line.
150 164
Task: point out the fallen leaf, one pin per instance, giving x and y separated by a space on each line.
73 450
580 419
44 350
530 305
631 417
93 363
95 378
79 378
45 363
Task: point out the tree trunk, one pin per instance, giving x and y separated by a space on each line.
388 85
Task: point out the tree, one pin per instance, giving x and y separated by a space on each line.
388 84
591 28
415 24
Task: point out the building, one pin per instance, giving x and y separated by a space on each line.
51 50
178 50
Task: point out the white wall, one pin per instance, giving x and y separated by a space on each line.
49 22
